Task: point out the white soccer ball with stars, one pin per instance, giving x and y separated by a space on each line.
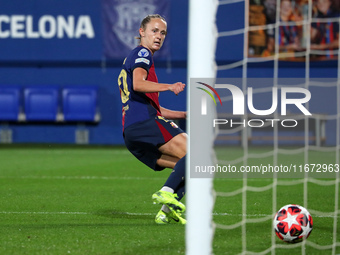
293 223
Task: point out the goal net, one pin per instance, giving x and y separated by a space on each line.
264 124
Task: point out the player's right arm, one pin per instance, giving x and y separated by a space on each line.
141 84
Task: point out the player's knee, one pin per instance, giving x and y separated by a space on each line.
180 144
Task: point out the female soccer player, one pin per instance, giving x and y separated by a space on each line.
148 133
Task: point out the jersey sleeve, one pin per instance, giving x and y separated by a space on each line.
142 58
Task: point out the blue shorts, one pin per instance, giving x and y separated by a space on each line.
144 138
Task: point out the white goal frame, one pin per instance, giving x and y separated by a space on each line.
201 64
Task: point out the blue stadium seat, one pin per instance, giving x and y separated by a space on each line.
80 103
41 103
9 103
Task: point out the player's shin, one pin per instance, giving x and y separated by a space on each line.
176 178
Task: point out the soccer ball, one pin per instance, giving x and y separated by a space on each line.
293 223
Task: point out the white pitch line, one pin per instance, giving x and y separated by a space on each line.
84 213
266 215
148 214
108 178
78 213
82 177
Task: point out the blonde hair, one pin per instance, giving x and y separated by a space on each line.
146 20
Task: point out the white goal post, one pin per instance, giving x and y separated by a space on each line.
201 64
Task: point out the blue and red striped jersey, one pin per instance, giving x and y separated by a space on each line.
137 106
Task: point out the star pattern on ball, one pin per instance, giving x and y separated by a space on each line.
291 220
293 223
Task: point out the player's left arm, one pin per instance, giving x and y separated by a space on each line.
172 115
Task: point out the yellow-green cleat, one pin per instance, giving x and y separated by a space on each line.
168 199
166 218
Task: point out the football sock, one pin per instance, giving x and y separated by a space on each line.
180 190
175 182
168 189
165 209
176 178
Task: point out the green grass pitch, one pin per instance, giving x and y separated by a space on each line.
97 200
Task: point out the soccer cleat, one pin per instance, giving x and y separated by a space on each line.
177 218
166 218
168 199
162 218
